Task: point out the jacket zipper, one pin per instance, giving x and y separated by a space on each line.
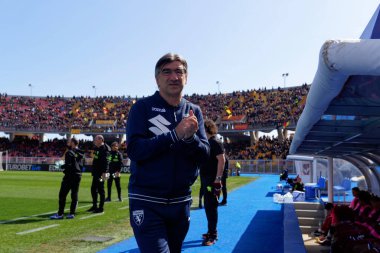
174 160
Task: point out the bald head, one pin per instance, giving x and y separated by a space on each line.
99 140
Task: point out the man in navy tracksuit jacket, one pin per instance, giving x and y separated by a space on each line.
166 144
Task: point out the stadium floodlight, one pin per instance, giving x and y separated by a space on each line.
94 87
31 89
218 84
285 75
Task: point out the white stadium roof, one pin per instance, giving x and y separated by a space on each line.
342 111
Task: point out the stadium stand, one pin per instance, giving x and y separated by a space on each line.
236 111
250 109
267 148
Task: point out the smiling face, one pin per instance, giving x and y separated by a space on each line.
171 79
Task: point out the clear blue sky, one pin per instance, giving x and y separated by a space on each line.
66 47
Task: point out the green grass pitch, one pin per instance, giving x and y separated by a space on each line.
27 199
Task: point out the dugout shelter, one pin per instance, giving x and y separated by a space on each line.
341 118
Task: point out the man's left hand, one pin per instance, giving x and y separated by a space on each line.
217 187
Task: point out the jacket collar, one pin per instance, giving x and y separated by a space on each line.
163 102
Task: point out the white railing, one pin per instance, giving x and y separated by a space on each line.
47 160
263 166
246 166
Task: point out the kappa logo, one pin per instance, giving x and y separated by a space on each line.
160 125
138 217
158 109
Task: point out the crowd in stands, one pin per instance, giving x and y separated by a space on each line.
262 108
259 108
354 228
266 148
52 114
271 108
86 112
25 147
32 113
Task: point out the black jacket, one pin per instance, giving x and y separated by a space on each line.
100 162
226 169
209 168
116 161
74 161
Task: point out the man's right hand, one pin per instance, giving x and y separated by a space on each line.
187 127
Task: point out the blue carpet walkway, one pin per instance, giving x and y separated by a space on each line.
250 223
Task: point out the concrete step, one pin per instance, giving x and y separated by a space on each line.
310 213
308 205
313 247
309 221
308 229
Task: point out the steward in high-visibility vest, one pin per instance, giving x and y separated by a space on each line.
115 163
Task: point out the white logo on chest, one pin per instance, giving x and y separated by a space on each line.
160 125
158 109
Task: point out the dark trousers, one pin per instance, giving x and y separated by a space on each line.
159 228
97 187
201 194
224 188
211 207
69 183
109 186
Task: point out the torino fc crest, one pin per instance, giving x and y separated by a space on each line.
138 217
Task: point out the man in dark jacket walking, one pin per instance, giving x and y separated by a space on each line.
211 177
166 144
224 182
115 163
74 161
100 165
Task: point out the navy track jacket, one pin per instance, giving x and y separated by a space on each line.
163 167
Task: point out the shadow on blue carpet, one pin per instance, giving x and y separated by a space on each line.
260 234
191 244
250 223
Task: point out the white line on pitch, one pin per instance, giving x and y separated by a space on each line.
90 216
36 229
124 207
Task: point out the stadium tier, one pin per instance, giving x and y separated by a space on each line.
240 110
265 148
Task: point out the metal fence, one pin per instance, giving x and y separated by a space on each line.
246 166
48 160
262 166
34 160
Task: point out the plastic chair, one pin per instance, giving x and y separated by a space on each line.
342 188
321 185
